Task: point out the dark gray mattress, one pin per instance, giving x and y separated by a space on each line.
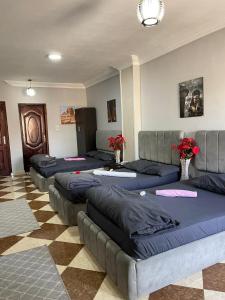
69 166
199 217
142 181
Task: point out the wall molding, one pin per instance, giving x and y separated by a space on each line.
45 84
100 78
182 43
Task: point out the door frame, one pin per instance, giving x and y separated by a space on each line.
45 118
7 138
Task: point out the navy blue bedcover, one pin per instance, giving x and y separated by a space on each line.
142 181
70 166
199 217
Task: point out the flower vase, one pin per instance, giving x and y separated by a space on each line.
117 156
184 168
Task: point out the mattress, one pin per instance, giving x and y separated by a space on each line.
142 181
199 217
69 166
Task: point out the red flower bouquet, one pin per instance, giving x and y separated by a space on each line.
116 143
187 148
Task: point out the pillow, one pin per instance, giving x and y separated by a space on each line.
140 166
211 182
104 156
151 168
92 153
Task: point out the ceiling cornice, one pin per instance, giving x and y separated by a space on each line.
182 43
100 78
136 60
46 84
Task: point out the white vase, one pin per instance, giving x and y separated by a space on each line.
117 156
185 168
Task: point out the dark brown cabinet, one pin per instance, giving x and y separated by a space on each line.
86 125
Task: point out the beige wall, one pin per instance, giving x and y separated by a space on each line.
160 79
62 138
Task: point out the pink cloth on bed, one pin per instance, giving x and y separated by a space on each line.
74 158
176 193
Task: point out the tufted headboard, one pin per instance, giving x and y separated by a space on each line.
156 146
212 151
102 138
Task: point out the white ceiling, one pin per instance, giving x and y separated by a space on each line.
94 36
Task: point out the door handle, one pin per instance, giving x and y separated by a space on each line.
4 140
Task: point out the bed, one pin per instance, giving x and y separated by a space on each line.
43 177
140 267
153 146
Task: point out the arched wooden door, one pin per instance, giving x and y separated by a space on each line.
33 131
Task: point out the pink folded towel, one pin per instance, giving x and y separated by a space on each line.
176 193
74 158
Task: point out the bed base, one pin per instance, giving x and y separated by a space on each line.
41 182
66 210
136 278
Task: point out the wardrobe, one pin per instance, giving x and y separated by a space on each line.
86 126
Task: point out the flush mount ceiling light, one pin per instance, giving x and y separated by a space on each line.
54 57
150 12
30 91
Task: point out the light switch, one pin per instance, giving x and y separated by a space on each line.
57 128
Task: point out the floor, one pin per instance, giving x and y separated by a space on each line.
80 272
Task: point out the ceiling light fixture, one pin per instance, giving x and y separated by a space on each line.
30 91
54 57
150 12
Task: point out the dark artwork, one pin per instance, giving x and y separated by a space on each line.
111 107
191 98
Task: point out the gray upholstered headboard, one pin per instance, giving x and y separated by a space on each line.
212 151
102 138
156 146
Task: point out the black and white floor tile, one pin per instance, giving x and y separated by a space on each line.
82 276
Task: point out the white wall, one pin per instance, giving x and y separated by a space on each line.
97 96
160 79
137 106
62 138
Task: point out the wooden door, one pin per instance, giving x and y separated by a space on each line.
5 159
34 132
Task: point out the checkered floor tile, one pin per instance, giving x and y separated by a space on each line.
31 275
82 276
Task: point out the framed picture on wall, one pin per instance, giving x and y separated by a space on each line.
191 98
111 108
67 114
